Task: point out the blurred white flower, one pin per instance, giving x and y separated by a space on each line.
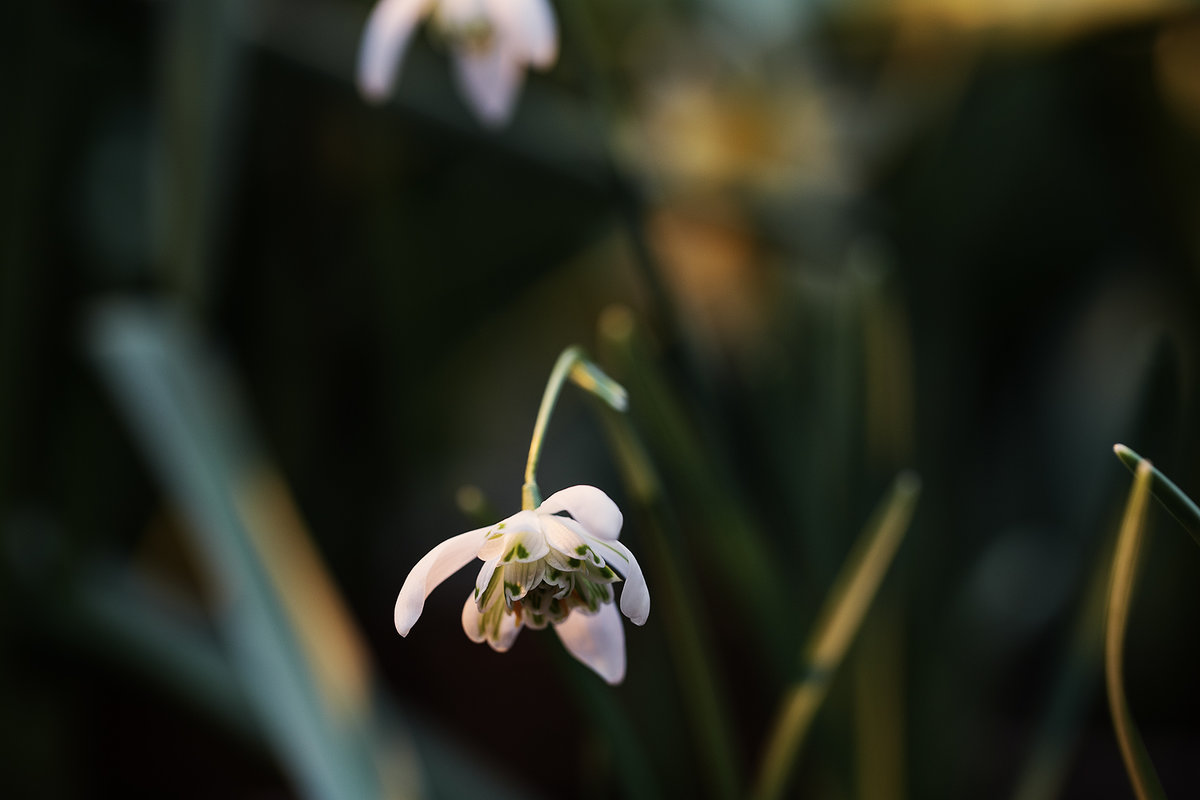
553 565
493 42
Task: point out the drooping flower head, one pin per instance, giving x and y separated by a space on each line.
555 565
493 42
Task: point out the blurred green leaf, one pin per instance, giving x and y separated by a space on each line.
135 621
839 622
184 411
1048 762
688 640
201 60
731 541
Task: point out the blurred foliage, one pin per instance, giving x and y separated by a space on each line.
819 242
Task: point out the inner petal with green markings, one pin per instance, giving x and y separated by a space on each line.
538 568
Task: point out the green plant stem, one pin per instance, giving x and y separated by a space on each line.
573 365
725 531
531 498
1137 761
840 619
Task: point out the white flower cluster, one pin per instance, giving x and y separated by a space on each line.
553 565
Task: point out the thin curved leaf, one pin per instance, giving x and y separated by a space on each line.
1180 506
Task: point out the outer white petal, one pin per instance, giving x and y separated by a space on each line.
472 621
635 595
592 508
530 26
438 564
490 79
597 640
385 38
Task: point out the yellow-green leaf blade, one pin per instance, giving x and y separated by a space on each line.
1137 761
840 619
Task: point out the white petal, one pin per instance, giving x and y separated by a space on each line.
509 628
635 596
519 578
495 543
472 621
592 508
562 535
385 38
438 564
561 562
455 14
490 79
524 545
530 26
483 580
597 640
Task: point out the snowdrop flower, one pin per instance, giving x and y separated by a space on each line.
553 565
493 42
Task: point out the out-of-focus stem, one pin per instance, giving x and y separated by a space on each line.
1137 761
690 652
840 619
726 533
572 365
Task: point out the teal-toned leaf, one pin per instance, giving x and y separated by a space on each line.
1180 506
184 413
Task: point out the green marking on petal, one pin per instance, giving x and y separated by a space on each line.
574 562
509 555
521 551
502 526
606 572
488 596
581 550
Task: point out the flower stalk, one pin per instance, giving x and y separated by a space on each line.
572 365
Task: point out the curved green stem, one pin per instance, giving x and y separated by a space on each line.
572 365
